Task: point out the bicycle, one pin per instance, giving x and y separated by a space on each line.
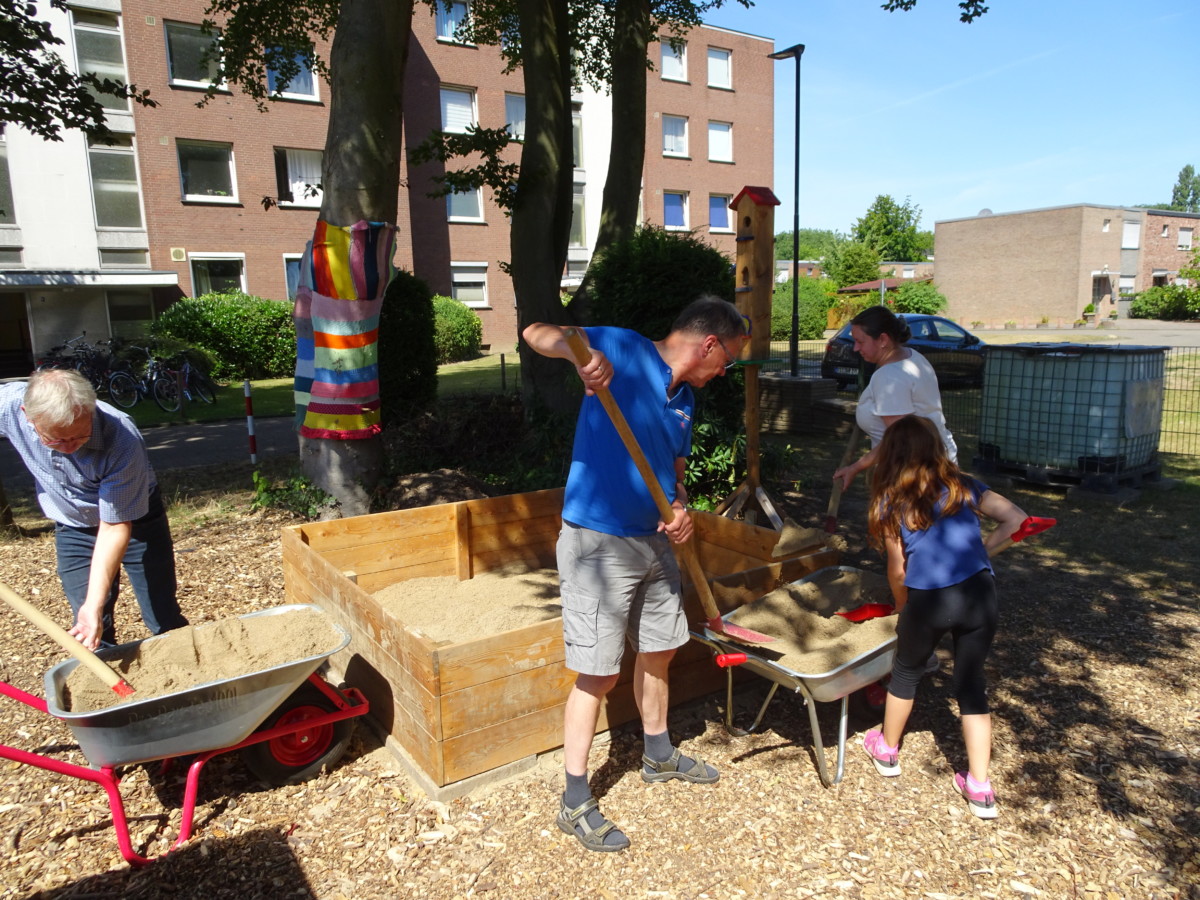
95 362
196 386
125 388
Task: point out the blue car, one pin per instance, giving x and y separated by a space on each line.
955 354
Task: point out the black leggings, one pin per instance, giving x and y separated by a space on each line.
968 610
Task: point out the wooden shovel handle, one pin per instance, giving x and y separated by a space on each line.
687 549
99 667
835 495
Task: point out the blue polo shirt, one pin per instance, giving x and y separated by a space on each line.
108 479
950 550
605 492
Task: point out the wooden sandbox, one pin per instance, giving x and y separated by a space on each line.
458 710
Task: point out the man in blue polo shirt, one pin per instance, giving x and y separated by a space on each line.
94 481
618 577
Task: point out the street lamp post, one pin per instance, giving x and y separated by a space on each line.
795 53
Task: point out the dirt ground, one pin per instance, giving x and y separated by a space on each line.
1097 741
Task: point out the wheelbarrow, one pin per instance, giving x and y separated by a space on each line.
287 722
839 683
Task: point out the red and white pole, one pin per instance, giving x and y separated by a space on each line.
250 423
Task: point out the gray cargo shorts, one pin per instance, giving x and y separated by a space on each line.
617 588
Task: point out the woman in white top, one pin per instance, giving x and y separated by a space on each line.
903 383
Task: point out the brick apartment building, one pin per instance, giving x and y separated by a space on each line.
1053 262
101 238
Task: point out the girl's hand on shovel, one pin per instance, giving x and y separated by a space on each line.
88 627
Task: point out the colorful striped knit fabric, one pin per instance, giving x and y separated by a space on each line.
342 279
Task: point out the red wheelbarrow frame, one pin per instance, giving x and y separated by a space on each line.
349 702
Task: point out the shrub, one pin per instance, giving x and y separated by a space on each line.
814 298
644 282
1170 302
407 351
917 297
457 333
247 337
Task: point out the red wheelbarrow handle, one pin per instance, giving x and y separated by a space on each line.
725 660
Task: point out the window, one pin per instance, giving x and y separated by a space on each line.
720 141
1104 227
291 273
577 135
1166 231
1185 239
298 176
675 212
674 136
720 68
124 259
218 272
98 52
450 17
468 283
909 272
719 213
674 62
1130 235
206 172
464 206
7 214
129 313
1125 285
578 225
458 110
115 183
191 54
514 115
301 86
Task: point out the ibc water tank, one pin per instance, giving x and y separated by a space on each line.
1072 412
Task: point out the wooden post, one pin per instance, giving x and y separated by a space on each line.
754 286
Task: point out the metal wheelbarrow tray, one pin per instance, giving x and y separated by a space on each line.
303 723
816 687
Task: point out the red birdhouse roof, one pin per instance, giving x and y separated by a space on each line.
760 195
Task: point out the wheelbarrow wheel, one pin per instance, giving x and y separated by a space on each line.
300 755
868 703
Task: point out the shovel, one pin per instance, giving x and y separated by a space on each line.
687 550
835 495
99 667
1031 526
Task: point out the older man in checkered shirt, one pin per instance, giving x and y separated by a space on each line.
95 482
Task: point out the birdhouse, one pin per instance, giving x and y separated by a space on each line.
754 276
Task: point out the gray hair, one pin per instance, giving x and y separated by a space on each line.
56 398
711 315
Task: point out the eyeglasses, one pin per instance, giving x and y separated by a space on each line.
63 441
729 356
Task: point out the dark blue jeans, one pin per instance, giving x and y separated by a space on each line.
149 563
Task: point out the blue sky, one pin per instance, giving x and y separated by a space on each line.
1038 103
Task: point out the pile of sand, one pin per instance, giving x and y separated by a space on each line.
448 610
810 638
198 654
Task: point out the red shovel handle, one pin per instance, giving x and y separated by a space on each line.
1031 526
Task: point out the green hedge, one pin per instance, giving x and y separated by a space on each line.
814 296
458 332
247 337
1168 303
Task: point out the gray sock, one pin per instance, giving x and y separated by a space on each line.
578 793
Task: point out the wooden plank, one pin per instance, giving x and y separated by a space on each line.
531 557
738 536
462 541
425 549
500 655
396 525
425 749
537 532
515 507
493 702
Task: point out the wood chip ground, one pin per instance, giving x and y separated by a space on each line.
1097 718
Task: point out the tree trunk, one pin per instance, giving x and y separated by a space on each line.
627 152
541 218
361 181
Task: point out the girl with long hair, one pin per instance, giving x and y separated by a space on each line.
925 515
